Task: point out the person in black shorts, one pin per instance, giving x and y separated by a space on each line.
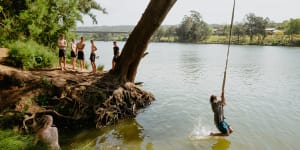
79 48
62 45
93 56
73 53
217 108
116 54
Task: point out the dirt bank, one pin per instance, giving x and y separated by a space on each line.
73 98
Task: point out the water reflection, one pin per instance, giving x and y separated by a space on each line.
221 144
127 134
213 143
249 73
190 64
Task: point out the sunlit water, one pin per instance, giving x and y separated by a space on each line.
262 91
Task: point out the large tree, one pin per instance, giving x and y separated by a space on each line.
292 28
159 33
255 25
192 28
102 101
42 20
138 40
171 32
238 30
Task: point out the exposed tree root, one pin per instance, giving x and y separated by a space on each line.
73 99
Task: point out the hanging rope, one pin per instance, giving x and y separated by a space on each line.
229 42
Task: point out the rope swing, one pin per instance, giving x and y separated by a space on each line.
229 43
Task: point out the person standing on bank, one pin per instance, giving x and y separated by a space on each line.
73 53
93 56
62 45
116 54
79 49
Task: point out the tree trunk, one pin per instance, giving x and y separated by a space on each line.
251 38
137 42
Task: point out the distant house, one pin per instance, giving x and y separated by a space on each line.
271 31
217 31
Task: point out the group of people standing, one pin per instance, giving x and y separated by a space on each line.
77 50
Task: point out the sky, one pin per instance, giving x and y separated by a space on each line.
128 12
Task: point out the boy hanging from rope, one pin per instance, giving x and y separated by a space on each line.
217 108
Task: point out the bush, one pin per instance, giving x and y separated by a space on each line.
3 42
30 55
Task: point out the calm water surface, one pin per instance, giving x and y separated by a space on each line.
262 90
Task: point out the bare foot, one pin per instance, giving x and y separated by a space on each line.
230 130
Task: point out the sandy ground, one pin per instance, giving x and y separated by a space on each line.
3 53
55 75
54 71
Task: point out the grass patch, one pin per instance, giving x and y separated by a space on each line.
86 65
100 68
9 140
30 55
46 83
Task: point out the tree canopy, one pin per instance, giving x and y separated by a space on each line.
293 27
43 20
192 28
255 25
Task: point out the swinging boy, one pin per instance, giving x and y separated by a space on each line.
217 108
216 105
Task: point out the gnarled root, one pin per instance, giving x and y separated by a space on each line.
124 103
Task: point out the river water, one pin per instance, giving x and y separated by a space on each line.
262 91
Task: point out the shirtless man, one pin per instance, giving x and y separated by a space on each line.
73 53
79 48
62 45
93 56
48 134
116 54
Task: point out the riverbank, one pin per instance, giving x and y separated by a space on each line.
269 40
75 99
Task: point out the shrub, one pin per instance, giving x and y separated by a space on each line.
30 55
3 42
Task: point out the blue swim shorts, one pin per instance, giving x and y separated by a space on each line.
223 127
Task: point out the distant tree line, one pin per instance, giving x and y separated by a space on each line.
194 29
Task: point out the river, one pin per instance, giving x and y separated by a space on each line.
262 91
